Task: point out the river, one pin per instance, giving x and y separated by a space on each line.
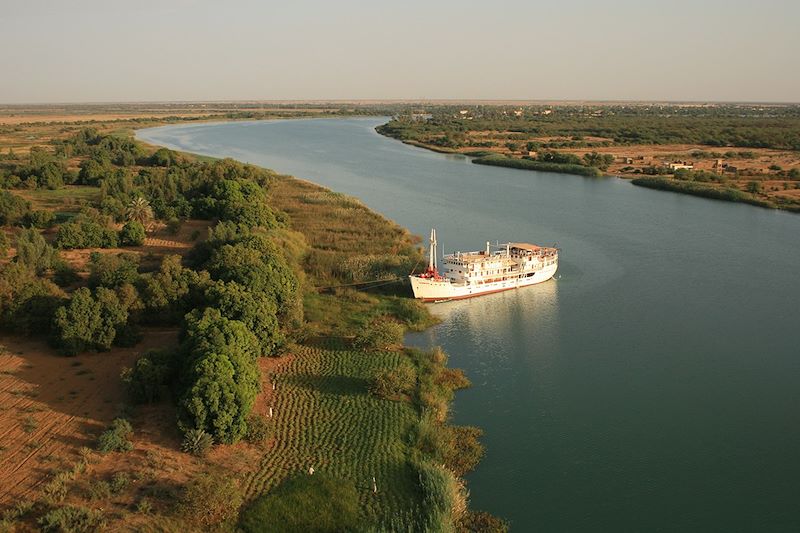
654 385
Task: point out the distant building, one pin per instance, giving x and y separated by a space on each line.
518 113
681 165
532 153
625 160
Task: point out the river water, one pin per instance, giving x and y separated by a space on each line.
654 385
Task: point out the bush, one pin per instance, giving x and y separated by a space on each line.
395 382
174 225
119 482
132 234
34 253
380 334
111 271
39 219
147 381
116 438
88 321
85 233
443 497
64 274
327 503
210 499
13 209
72 519
259 429
197 442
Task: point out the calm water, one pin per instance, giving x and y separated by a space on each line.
653 386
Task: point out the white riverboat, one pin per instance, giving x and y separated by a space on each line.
468 274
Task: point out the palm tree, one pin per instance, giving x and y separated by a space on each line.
140 210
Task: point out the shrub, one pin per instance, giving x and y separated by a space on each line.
380 334
444 498
88 321
111 271
64 274
132 234
197 442
328 504
72 519
12 208
145 507
147 381
34 253
85 233
259 429
119 482
100 490
39 219
116 438
174 225
395 382
210 499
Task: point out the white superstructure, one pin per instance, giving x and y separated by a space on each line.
468 274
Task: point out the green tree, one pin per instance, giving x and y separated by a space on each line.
222 377
150 376
111 271
88 321
172 291
34 253
259 314
256 264
12 208
132 234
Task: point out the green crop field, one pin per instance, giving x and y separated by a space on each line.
325 418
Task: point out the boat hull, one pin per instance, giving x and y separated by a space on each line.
438 290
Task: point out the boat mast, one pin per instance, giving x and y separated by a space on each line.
432 259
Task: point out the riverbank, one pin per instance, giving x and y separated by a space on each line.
349 400
763 162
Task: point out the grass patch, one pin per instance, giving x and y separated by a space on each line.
327 504
64 201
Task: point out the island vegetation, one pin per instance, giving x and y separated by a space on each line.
198 344
734 152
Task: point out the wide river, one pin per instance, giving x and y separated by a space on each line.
654 385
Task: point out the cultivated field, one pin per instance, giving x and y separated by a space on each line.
325 418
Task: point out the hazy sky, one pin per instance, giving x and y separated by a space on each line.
155 50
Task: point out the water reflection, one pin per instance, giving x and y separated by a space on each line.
496 327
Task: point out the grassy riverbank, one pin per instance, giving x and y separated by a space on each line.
340 395
543 166
734 147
